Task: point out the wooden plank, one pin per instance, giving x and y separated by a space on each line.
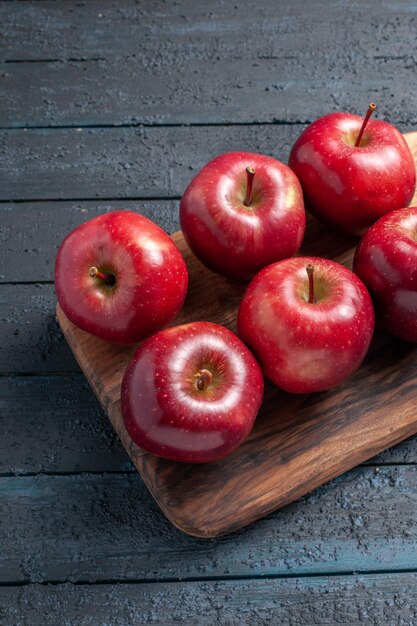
31 233
54 424
104 29
222 90
151 52
107 527
345 601
113 163
30 338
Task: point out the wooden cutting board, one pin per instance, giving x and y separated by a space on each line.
298 442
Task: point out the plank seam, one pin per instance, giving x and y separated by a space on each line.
70 60
27 282
273 122
129 472
220 578
85 473
93 199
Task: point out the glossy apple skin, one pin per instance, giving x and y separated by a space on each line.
386 261
151 277
235 240
347 187
305 347
164 411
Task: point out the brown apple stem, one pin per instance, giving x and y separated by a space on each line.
369 112
204 378
108 278
310 273
250 173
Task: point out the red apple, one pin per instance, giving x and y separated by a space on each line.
242 212
309 321
191 393
120 276
352 170
386 261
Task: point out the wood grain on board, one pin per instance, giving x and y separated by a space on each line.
298 442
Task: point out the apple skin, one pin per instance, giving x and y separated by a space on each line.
304 347
351 187
165 412
237 240
386 261
151 277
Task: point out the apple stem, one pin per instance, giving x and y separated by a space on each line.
204 378
369 112
310 273
250 173
108 278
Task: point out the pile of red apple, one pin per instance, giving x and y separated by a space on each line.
192 392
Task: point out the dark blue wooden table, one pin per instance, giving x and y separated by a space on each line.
118 104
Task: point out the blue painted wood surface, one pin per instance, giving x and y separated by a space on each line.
108 523
124 102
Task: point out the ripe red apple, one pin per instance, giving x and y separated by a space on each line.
242 212
352 170
191 393
309 321
120 276
386 261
